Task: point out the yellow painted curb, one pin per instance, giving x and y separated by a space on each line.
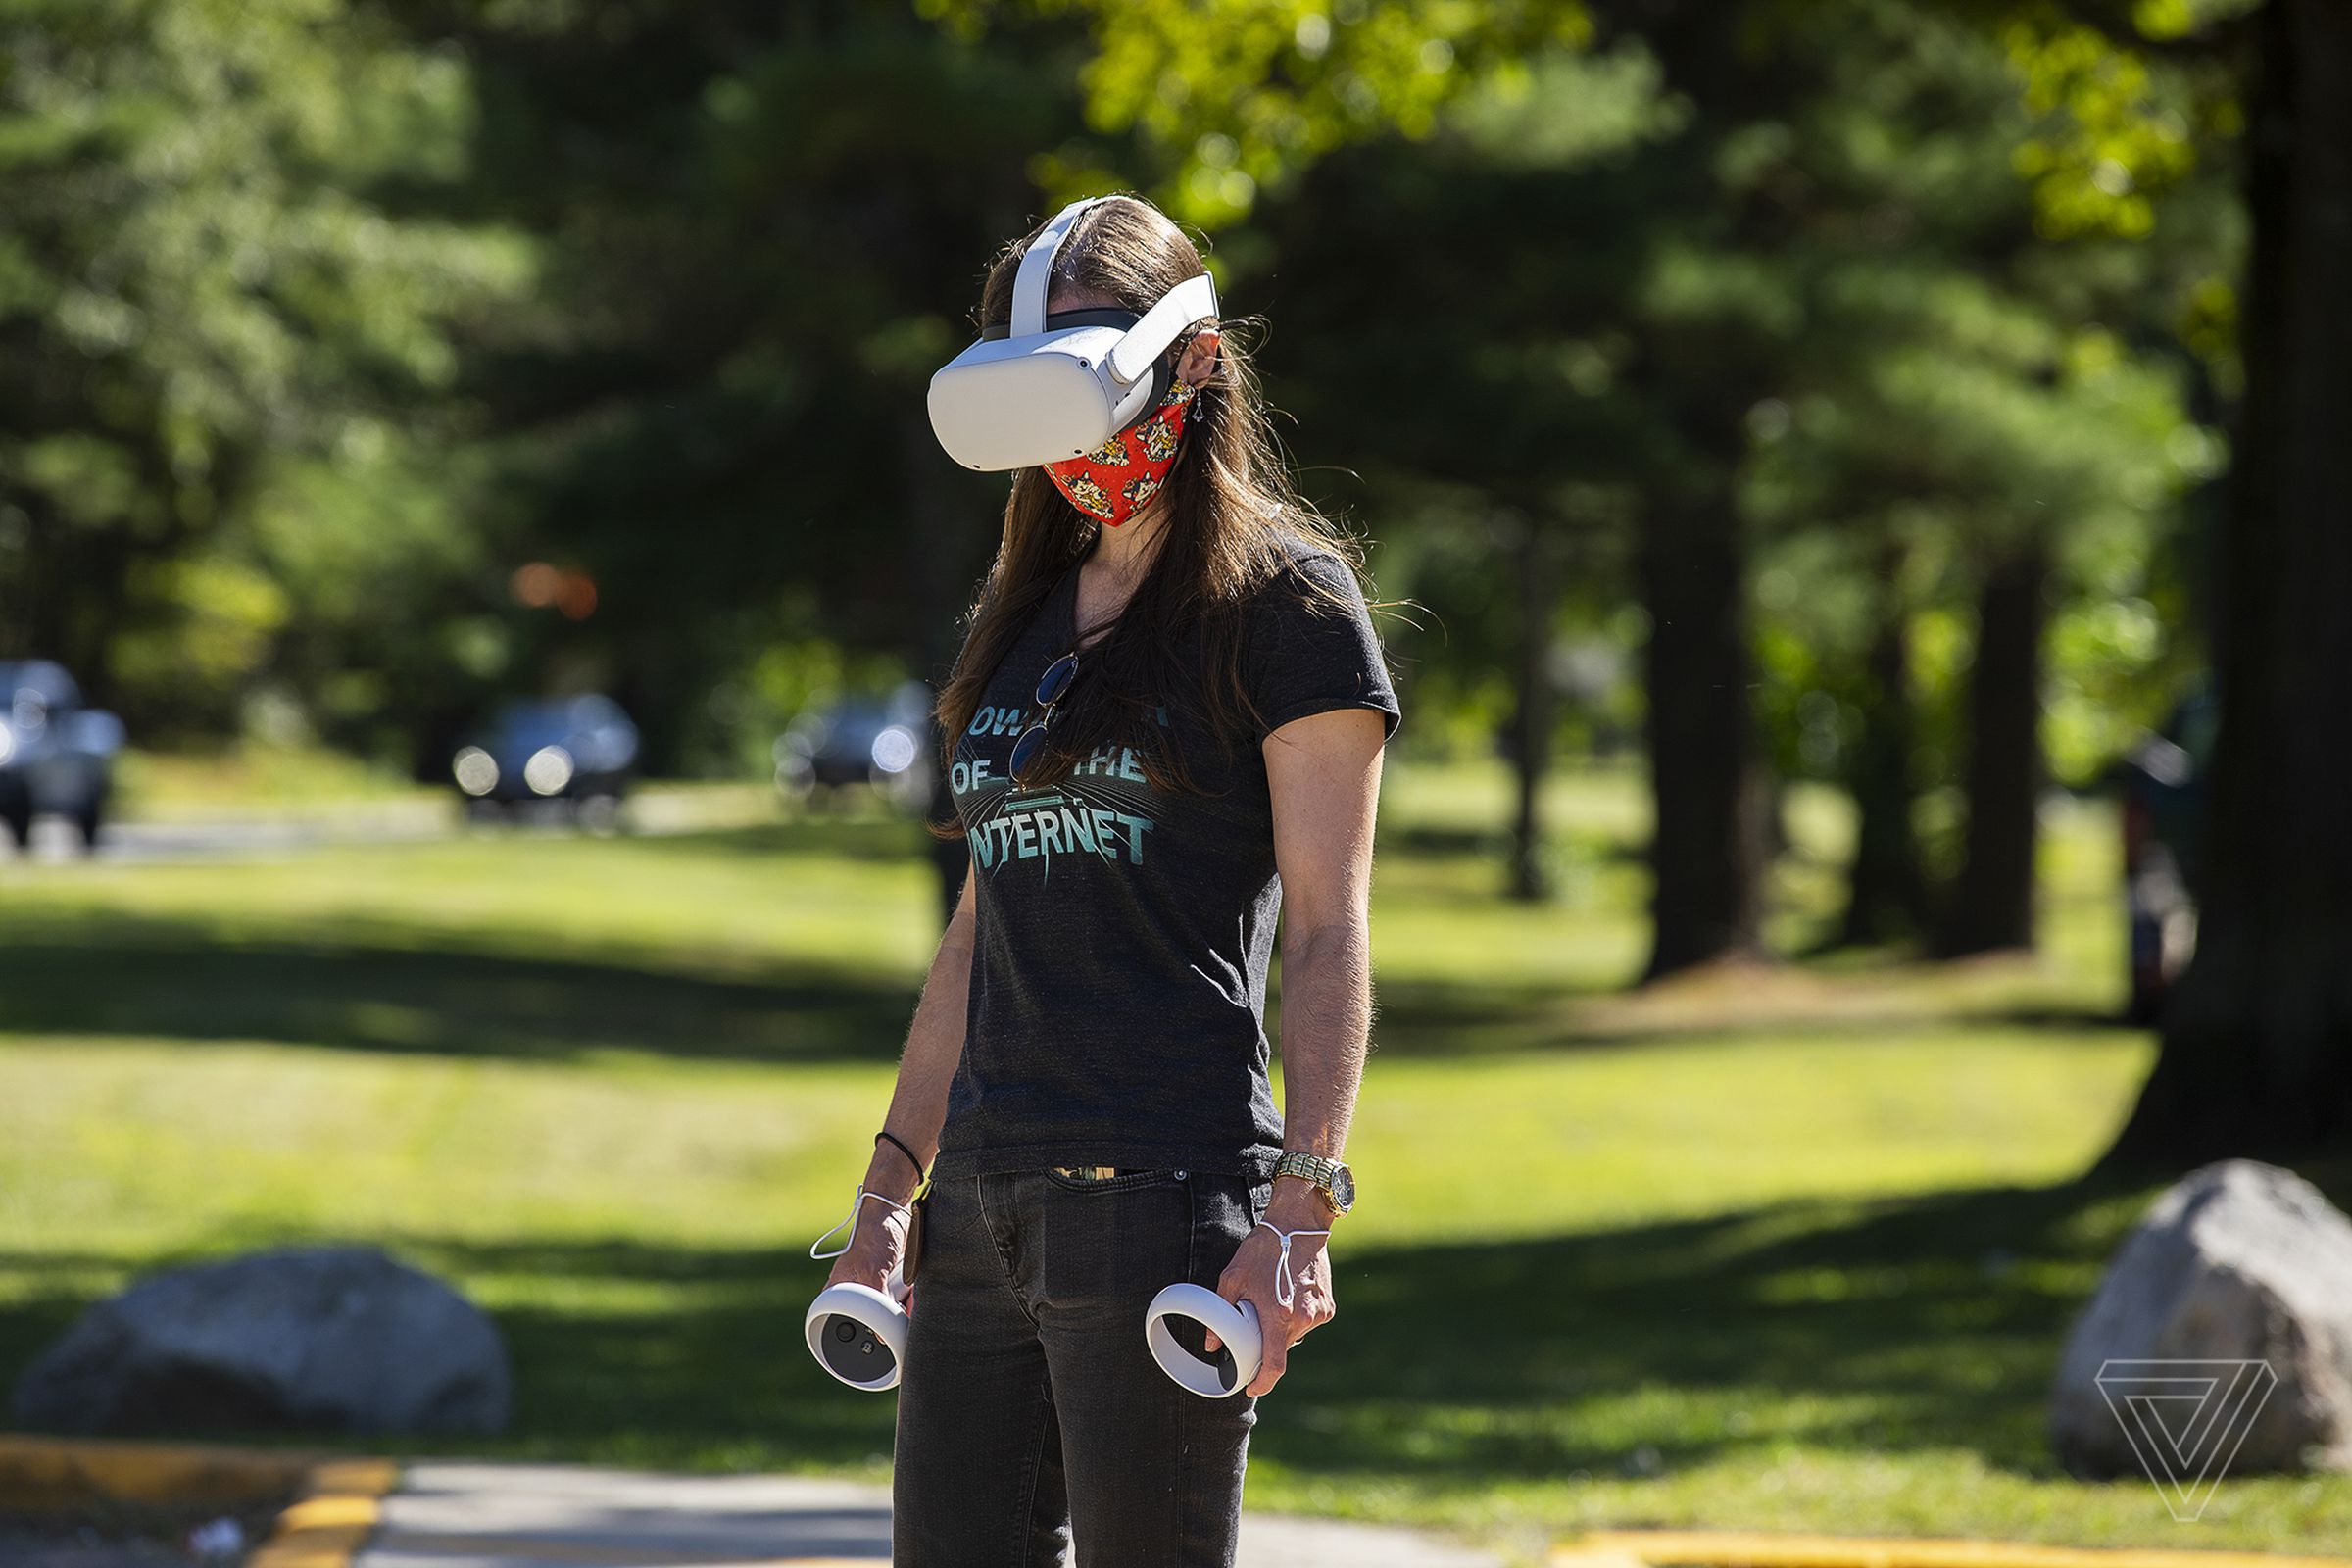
36 1472
1737 1548
336 1506
333 1520
1580 1555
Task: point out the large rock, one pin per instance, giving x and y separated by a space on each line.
2237 1261
339 1339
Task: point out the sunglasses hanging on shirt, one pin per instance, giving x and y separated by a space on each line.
1052 687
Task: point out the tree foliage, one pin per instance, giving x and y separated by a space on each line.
215 290
1234 96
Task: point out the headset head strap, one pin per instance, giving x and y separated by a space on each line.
1036 275
1188 302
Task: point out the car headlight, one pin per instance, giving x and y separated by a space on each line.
477 771
894 750
549 770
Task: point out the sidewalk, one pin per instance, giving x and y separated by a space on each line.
383 1513
447 1514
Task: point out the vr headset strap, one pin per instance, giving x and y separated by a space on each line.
1188 302
1030 283
1179 308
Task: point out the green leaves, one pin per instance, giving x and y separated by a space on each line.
1230 97
201 272
2112 136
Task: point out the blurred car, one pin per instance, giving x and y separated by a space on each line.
2163 780
860 743
56 755
569 755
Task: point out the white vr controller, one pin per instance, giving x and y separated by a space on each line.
859 1334
1236 1361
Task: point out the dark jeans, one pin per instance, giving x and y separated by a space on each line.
1030 1412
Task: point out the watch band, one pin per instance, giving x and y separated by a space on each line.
1323 1173
1299 1162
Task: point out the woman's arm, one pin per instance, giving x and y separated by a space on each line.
919 1106
1324 773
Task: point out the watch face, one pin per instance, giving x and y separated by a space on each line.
1343 1188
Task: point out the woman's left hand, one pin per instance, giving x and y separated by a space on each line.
1251 1277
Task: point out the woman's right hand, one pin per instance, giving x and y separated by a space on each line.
875 1247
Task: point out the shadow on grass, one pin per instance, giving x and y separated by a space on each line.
1928 1323
357 990
1422 1018
355 982
1491 847
150 979
882 840
401 991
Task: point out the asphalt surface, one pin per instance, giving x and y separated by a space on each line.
653 811
482 1515
56 843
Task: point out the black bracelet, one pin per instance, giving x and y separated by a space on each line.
919 1172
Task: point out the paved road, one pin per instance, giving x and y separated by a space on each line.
654 810
477 1515
55 843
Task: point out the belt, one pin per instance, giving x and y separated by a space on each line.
1089 1174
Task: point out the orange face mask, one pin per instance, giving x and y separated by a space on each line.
1114 480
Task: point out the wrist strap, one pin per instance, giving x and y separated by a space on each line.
1286 1284
856 1207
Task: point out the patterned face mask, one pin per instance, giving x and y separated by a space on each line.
1114 480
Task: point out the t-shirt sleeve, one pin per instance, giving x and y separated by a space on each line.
1305 657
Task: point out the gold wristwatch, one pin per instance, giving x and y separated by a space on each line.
1334 1180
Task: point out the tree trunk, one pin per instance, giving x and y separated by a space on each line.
1533 748
2257 1050
1991 905
25 595
1706 778
1886 889
935 557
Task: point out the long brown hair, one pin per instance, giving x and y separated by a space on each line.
1232 517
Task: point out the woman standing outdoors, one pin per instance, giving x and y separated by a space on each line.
1167 725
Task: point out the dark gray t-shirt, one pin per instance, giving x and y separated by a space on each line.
1118 991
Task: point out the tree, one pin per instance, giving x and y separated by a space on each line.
1316 83
212 296
1516 262
1803 219
2257 1047
1964 424
1991 903
766 226
1886 886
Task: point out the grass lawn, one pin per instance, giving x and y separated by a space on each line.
1790 1250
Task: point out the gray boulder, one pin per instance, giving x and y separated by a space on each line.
2238 1262
328 1339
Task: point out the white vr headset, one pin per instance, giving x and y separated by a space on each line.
1055 387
